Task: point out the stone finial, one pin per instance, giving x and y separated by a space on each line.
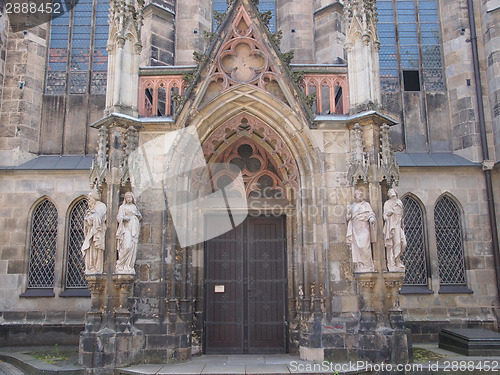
358 165
124 15
124 48
388 165
362 46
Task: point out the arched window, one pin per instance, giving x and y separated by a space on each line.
264 6
415 255
43 246
450 248
77 49
75 266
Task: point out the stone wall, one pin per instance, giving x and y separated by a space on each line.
21 99
490 22
192 18
427 313
460 77
4 28
329 34
295 20
19 192
157 36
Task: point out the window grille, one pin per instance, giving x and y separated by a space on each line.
449 242
414 257
43 246
77 49
409 40
75 267
264 6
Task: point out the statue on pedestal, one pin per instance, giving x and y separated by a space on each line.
127 235
361 232
94 230
394 235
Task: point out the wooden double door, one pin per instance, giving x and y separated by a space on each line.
245 288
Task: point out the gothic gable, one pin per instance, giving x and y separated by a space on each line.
243 52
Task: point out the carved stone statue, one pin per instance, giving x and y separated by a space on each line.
394 235
361 232
94 229
127 235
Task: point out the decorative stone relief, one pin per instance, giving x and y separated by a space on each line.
335 142
242 58
123 14
389 168
131 142
358 168
100 161
271 150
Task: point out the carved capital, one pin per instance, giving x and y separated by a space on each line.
367 284
393 284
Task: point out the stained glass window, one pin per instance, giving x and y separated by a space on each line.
77 50
410 42
264 6
43 244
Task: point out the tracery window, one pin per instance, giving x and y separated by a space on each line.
410 47
449 240
264 6
261 174
414 257
43 245
75 266
77 56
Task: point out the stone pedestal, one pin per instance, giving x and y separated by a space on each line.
382 335
110 338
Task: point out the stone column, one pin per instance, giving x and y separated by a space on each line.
382 336
115 341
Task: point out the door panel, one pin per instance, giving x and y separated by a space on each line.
245 284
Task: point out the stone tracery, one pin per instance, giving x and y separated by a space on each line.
266 163
242 58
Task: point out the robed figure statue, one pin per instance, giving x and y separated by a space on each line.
94 230
394 235
127 234
361 232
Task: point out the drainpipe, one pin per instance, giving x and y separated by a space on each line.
484 145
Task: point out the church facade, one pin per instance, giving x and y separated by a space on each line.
243 130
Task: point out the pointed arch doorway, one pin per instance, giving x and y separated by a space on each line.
245 288
245 270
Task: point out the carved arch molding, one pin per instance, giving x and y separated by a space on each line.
266 163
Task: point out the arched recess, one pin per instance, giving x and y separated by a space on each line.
283 134
267 165
450 241
415 256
